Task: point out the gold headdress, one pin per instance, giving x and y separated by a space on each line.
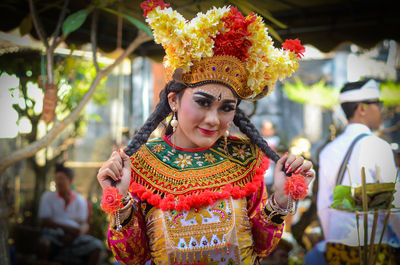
223 46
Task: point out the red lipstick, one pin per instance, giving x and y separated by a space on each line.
207 132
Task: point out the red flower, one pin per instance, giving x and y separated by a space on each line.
234 42
294 46
296 186
111 200
149 5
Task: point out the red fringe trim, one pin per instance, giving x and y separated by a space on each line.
207 197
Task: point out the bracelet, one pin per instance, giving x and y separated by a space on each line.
126 200
118 227
122 210
290 209
275 213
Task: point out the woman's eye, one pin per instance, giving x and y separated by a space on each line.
203 102
228 108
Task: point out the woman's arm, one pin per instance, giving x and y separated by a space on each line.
266 232
267 215
129 244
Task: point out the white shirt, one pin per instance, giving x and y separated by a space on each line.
53 206
370 152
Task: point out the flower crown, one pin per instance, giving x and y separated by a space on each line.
224 46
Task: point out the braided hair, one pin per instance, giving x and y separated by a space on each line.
245 126
163 109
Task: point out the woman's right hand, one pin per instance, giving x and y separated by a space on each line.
116 168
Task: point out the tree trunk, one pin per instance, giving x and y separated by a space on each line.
59 126
4 248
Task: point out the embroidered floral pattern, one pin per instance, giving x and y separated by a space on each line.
210 158
240 152
158 148
183 160
198 214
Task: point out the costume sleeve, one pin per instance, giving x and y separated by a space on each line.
129 245
266 233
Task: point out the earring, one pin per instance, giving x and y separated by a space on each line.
174 124
226 134
174 121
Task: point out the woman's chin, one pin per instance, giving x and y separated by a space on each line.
205 142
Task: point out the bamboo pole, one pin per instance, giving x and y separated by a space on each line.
348 172
365 210
386 219
372 242
358 236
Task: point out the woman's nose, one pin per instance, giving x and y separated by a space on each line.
212 117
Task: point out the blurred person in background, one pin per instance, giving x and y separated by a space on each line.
360 102
268 132
64 218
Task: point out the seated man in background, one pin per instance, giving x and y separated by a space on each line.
64 218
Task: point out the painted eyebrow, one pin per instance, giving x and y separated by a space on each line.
205 95
229 101
213 98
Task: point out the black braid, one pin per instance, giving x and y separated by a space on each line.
161 111
245 126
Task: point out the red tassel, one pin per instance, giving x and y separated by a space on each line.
207 197
154 199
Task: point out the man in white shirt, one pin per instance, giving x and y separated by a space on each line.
64 217
360 102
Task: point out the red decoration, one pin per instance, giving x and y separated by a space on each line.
294 46
296 186
111 200
149 5
207 197
234 42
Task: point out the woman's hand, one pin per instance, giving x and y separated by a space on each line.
290 164
116 168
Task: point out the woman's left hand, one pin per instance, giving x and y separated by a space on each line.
290 164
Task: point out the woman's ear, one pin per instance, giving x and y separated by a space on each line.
173 101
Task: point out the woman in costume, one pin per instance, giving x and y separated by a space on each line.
196 195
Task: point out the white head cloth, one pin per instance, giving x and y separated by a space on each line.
369 90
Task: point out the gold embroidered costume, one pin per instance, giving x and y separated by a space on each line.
183 226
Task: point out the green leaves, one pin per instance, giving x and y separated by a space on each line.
139 24
318 94
342 198
75 21
390 93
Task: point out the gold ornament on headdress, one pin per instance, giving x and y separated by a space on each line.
222 46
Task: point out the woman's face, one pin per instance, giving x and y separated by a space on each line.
204 114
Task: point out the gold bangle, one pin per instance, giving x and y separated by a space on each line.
290 209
